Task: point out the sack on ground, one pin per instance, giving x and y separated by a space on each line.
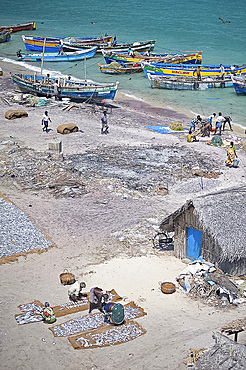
67 128
13 114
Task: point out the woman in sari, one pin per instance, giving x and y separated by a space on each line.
231 153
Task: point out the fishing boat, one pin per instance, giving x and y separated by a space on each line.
118 68
189 70
52 44
56 57
186 57
5 36
187 83
239 84
67 88
19 27
119 47
1 71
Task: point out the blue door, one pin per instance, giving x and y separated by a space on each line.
194 244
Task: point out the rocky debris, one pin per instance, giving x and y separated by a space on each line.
145 168
28 169
130 172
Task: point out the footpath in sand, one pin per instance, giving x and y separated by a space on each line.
100 206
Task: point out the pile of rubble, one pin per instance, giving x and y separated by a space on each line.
28 169
204 281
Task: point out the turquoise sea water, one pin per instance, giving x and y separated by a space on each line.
176 25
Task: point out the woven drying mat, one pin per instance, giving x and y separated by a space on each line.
82 305
87 323
108 336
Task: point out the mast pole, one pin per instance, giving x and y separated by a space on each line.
42 62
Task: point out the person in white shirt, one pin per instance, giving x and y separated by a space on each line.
219 121
75 291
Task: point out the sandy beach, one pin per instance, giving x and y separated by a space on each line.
103 233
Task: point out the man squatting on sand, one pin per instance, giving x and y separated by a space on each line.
97 298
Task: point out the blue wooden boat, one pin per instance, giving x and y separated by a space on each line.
67 88
187 83
239 84
189 70
56 57
52 44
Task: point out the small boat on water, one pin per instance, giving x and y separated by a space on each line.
239 84
118 68
19 27
67 88
186 57
187 83
189 70
56 57
52 44
5 36
119 47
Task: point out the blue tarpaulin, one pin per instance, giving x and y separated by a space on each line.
165 130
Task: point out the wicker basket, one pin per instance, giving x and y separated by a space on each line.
168 288
67 278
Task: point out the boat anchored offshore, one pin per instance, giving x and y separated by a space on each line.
66 88
19 27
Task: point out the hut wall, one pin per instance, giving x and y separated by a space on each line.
182 221
210 249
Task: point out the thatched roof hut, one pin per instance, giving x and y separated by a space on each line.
220 217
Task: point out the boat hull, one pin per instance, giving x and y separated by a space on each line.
159 82
76 91
118 70
187 70
55 57
52 44
135 46
239 85
186 58
19 27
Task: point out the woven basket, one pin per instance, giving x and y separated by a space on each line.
168 288
67 278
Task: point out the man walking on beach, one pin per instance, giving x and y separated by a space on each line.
104 119
45 121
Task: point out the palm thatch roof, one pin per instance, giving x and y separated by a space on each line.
223 214
225 354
